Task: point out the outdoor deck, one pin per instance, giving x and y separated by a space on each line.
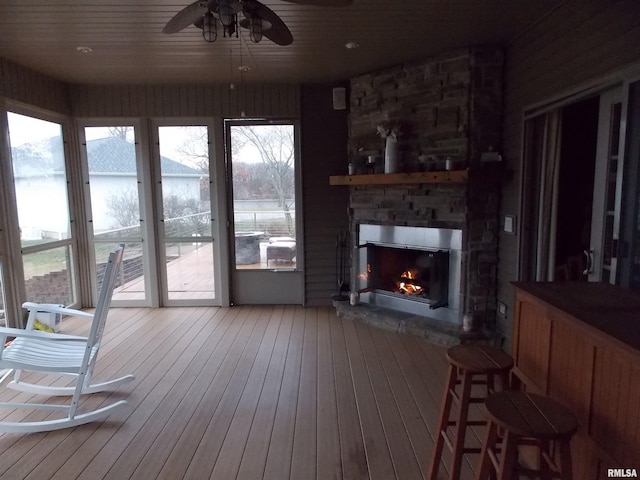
273 392
190 275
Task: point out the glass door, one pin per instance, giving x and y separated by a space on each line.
42 203
573 169
602 264
263 173
185 226
3 302
116 212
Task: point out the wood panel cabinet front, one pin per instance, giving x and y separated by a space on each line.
594 374
615 420
533 333
569 377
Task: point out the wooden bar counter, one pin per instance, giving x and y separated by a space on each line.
580 344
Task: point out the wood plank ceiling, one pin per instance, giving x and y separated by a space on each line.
128 46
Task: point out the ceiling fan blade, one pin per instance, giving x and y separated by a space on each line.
278 33
186 17
323 3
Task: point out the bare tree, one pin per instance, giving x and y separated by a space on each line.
124 208
123 132
271 175
196 147
274 144
180 209
181 215
275 147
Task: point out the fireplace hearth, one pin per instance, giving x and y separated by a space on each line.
435 331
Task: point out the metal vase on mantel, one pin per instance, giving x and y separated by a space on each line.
391 156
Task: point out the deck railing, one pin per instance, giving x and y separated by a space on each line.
272 223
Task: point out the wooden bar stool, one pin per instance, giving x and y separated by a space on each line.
466 363
527 419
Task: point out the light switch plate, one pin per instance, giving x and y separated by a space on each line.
510 223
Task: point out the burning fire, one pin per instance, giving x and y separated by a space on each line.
365 276
406 285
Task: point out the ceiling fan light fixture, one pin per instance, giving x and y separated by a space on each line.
255 29
209 28
265 23
227 10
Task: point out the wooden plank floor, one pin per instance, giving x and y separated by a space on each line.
273 392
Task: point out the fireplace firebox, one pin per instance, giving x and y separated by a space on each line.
410 269
422 275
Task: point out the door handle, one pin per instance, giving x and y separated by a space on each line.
589 262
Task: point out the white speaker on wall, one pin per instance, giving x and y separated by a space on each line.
339 98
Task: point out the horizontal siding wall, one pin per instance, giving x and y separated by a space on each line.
23 85
578 44
324 153
186 101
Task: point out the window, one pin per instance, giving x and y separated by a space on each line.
116 213
41 197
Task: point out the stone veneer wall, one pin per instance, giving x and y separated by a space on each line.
447 106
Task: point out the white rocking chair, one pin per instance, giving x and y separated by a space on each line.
56 353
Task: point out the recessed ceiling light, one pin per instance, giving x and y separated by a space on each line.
244 68
84 49
351 45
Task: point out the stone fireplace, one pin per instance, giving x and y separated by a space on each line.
449 107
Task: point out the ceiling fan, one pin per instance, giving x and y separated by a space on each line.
259 19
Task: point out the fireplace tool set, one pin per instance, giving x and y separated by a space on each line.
341 266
